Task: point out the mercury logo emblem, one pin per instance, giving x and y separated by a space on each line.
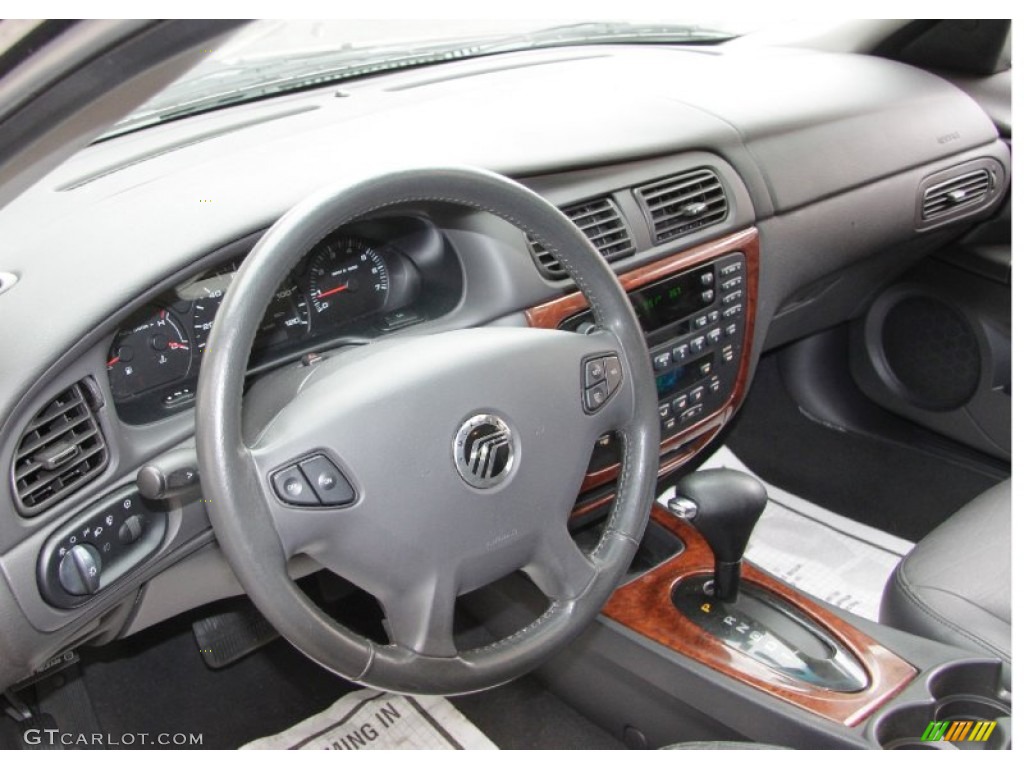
485 451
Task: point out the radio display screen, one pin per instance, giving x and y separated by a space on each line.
680 378
671 300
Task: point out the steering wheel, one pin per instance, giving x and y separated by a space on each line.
465 451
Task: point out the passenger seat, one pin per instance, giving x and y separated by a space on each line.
954 586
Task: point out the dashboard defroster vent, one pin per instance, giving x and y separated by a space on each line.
601 223
681 204
956 193
61 449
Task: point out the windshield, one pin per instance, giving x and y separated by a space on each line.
271 57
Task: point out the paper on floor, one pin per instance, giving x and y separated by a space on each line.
368 719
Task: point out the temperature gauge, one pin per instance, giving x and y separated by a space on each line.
154 352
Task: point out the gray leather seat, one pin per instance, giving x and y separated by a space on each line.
954 586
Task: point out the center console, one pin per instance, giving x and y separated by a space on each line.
677 654
696 309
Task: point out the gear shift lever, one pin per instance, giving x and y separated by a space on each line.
724 505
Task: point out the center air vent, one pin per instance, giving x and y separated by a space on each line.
601 222
682 204
61 449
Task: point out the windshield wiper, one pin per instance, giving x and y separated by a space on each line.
241 84
608 32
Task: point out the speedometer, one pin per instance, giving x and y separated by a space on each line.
348 279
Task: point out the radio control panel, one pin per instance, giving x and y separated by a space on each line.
694 323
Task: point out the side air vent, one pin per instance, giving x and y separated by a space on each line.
958 192
682 204
601 222
61 449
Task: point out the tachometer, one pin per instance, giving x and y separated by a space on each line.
348 279
154 352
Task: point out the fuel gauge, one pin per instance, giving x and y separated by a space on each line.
153 353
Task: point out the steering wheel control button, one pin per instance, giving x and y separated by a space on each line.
594 372
327 482
291 487
597 391
596 396
79 570
485 450
612 373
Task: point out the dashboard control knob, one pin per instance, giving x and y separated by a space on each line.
79 570
130 530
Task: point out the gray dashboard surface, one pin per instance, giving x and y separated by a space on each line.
798 127
88 239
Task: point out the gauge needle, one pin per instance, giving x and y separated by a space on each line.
176 345
113 361
339 289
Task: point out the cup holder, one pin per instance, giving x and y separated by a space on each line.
969 693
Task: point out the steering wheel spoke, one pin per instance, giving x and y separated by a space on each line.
559 569
420 616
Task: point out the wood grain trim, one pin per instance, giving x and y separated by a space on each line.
551 314
645 606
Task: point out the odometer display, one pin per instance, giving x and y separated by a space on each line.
348 279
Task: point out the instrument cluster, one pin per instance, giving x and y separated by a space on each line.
349 287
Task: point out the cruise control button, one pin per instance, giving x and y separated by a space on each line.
327 482
594 372
595 397
291 487
612 373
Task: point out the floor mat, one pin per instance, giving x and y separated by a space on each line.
156 682
840 561
369 719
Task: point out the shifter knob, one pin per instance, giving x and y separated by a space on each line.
724 505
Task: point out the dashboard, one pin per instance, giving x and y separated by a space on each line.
787 210
356 285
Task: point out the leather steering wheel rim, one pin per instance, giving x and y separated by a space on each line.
242 513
